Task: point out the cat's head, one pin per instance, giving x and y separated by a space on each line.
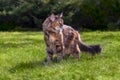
53 21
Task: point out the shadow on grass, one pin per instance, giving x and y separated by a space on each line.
31 65
28 65
40 64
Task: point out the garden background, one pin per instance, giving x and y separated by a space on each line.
22 46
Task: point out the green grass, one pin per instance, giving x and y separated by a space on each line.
22 54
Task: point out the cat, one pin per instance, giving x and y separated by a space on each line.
63 40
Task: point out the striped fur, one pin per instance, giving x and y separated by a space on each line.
63 40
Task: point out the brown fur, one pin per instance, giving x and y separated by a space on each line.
64 40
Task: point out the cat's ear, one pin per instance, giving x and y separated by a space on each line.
61 15
52 17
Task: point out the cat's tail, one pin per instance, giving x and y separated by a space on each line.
92 49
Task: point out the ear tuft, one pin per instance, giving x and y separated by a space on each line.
52 17
61 14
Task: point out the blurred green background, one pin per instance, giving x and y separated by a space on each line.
80 14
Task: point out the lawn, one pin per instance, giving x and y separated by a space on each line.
22 55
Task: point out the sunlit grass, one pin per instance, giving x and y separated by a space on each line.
22 54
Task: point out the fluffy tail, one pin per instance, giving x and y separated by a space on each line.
92 49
